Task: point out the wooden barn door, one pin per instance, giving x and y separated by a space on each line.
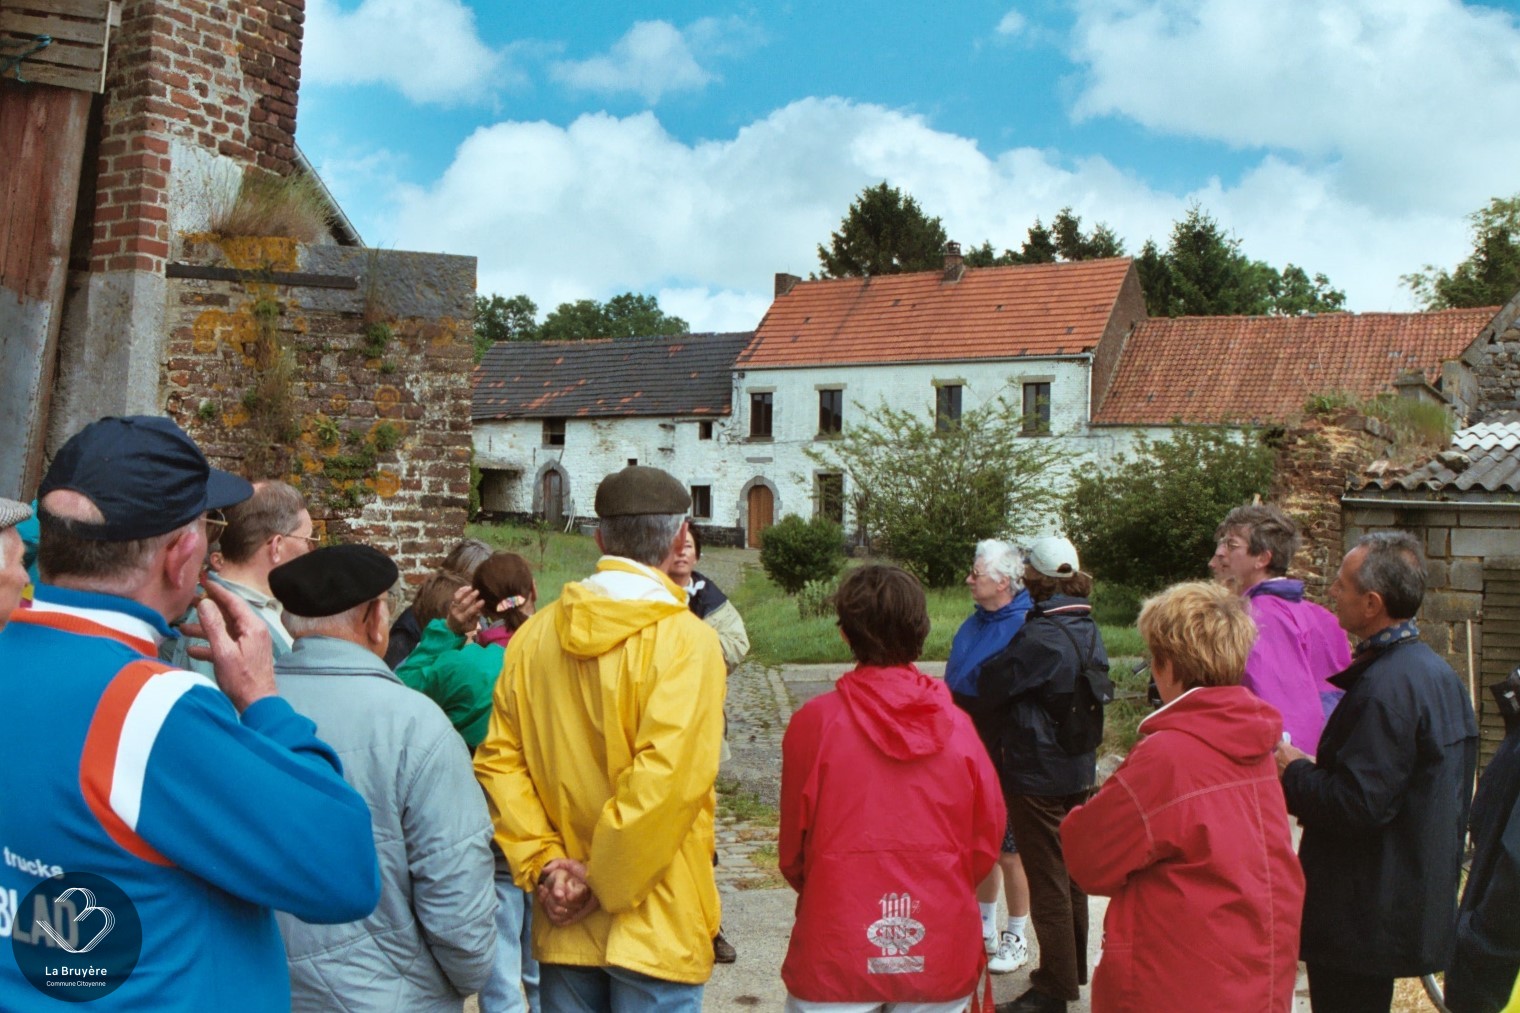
762 513
554 498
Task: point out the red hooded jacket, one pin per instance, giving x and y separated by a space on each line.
890 816
1190 838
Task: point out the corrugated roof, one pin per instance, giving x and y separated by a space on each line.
689 374
989 313
1482 458
1263 369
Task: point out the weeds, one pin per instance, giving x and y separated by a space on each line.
266 204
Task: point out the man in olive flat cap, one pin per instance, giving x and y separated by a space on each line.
401 753
600 761
207 804
13 576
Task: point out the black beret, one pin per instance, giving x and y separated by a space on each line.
330 580
641 490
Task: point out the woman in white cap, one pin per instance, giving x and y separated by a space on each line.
13 578
1046 755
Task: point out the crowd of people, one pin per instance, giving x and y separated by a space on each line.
312 805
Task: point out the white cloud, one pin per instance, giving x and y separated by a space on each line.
428 50
606 205
652 59
1012 23
1410 103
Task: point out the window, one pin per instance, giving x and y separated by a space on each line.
704 430
830 412
828 496
633 462
760 403
1037 409
701 501
554 432
947 407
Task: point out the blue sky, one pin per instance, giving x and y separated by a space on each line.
693 150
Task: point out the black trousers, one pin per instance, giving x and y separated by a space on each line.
1057 907
1335 990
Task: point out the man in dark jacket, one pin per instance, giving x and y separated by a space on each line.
1385 802
1018 692
1488 929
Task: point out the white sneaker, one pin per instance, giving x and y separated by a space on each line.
990 943
1011 954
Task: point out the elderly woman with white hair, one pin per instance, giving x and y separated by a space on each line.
997 589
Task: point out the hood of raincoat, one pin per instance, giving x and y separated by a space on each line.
1231 720
591 622
902 711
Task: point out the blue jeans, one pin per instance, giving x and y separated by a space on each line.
514 973
568 989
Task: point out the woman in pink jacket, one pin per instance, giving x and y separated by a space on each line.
891 815
1190 835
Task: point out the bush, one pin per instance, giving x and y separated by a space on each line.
796 551
1149 519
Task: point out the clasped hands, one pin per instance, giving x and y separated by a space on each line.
564 893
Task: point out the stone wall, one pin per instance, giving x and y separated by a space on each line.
358 395
1315 461
1495 359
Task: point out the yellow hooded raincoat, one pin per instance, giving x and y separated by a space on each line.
603 747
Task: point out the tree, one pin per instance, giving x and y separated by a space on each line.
1148 519
928 496
1490 276
500 319
622 316
1063 241
884 232
1204 273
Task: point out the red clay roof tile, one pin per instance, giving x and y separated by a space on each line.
1263 369
990 313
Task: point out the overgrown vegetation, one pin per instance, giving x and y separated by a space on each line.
270 400
1417 426
1148 519
795 552
926 495
266 204
1490 275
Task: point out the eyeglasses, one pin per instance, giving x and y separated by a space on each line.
978 574
312 541
216 523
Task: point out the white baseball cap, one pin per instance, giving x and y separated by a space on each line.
1054 557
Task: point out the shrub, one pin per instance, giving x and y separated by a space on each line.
1148 520
814 600
796 551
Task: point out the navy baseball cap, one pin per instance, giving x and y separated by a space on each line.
144 473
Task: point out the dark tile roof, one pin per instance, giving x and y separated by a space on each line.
989 313
1263 369
1483 458
689 374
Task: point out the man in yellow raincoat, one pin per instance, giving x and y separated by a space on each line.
599 767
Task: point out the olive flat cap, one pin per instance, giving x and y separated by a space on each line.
641 490
326 581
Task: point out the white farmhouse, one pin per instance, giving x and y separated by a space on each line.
551 419
1042 336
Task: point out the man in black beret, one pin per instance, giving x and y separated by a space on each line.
600 761
157 779
400 752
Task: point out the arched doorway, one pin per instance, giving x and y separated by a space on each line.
762 513
554 498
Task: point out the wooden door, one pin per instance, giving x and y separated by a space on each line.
762 513
554 499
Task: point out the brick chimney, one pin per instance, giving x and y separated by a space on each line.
955 264
784 283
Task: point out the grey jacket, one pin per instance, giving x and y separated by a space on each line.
431 940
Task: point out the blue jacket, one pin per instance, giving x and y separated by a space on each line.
982 635
119 766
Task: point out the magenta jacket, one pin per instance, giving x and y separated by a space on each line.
1299 647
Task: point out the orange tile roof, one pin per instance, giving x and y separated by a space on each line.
990 313
1263 369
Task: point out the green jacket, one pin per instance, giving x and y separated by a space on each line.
456 675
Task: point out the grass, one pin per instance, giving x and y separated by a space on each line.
735 803
556 558
267 204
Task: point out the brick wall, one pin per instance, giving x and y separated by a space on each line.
377 430
217 76
1314 463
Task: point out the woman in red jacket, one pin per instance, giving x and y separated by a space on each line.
891 815
1190 835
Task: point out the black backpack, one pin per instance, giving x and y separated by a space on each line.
1078 716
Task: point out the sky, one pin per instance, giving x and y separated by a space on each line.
691 151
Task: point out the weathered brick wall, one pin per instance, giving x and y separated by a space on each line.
215 76
372 419
1497 362
1314 463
